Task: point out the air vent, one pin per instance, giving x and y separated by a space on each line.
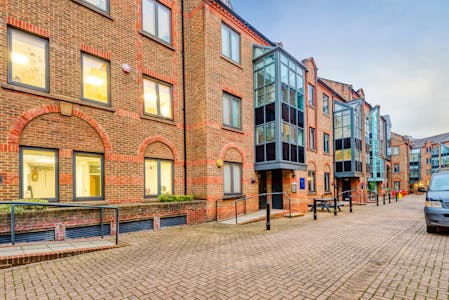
87 231
133 226
26 237
173 221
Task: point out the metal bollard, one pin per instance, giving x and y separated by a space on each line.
268 216
335 206
384 199
389 197
350 203
396 196
314 209
377 199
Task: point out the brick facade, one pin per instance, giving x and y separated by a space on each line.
402 159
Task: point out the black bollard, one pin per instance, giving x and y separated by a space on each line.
335 206
314 209
268 216
396 196
350 203
377 199
389 197
384 198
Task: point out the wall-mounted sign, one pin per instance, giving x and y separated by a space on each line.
302 183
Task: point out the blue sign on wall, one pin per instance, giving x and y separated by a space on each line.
302 183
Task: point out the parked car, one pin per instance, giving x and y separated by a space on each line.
436 209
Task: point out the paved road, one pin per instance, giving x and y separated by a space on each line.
374 253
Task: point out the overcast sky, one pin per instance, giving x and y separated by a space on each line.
396 50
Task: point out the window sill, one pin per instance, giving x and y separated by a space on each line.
55 97
312 193
236 130
326 115
312 149
157 40
233 197
238 65
90 201
157 119
327 153
93 8
311 106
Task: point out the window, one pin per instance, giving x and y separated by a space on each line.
311 96
28 60
327 185
395 150
397 185
88 176
156 20
158 177
311 138
232 111
95 72
326 143
311 179
325 104
157 98
396 168
230 43
100 4
232 178
38 173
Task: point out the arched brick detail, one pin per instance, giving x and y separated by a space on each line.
235 146
327 167
25 118
160 139
312 163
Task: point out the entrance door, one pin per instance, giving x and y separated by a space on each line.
346 187
276 186
262 189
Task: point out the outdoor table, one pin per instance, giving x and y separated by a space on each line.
324 203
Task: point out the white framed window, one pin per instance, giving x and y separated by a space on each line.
156 20
28 60
102 5
311 178
327 185
230 43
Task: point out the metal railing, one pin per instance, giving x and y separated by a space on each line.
100 207
252 197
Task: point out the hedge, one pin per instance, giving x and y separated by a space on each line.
6 208
175 198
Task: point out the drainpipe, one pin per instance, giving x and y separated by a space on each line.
184 95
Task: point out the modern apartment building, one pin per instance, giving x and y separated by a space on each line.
427 155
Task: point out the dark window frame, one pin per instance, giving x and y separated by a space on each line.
159 82
108 70
230 31
327 179
46 89
158 160
156 23
326 143
56 151
95 8
326 107
233 193
232 98
312 176
312 137
88 154
396 168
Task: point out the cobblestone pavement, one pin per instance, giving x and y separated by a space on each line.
374 253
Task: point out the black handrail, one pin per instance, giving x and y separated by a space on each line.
251 197
101 207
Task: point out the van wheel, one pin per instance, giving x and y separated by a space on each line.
431 229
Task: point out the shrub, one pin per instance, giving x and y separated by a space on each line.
175 198
6 208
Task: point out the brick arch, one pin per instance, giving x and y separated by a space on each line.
327 167
153 139
234 146
311 162
28 116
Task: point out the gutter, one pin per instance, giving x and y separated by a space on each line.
184 95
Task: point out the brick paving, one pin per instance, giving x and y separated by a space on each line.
375 253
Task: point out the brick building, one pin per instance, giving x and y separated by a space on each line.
426 156
400 153
118 102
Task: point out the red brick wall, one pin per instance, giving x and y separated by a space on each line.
402 159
